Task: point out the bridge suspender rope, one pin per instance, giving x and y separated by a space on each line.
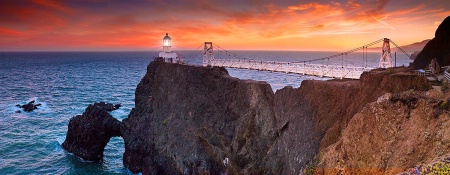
398 47
191 55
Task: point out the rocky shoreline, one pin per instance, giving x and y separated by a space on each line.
197 120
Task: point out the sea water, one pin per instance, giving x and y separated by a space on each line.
65 83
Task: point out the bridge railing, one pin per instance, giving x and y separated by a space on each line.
320 70
447 74
422 72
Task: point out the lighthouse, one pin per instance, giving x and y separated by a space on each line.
167 53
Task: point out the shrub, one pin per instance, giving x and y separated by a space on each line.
445 87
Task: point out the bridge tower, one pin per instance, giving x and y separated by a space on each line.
208 54
386 58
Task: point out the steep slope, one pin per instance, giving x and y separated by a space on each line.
312 117
438 47
391 135
195 120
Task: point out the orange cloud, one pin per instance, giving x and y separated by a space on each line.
320 26
443 13
318 9
352 4
408 11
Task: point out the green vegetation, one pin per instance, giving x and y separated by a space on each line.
444 105
437 168
445 87
310 168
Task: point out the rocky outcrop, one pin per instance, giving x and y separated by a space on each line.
88 134
409 129
30 106
438 47
197 120
312 117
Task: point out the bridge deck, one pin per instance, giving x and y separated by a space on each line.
319 70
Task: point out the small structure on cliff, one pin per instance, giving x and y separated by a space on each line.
434 66
167 53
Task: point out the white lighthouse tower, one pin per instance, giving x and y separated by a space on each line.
167 53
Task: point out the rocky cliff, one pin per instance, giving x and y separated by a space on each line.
388 136
438 47
88 134
315 114
200 120
197 120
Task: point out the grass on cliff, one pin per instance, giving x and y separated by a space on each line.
445 87
436 168
310 168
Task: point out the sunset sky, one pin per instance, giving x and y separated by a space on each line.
119 25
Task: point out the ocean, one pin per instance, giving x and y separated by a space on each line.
65 83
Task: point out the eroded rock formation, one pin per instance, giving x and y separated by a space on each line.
88 134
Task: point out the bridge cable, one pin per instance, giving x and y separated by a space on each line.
347 52
235 55
189 56
404 52
364 48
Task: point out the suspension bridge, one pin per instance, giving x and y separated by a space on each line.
311 67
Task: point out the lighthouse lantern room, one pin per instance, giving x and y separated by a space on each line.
167 53
166 43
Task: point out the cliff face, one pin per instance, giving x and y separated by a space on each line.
391 135
315 114
438 47
196 120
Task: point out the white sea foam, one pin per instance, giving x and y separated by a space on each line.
120 113
60 139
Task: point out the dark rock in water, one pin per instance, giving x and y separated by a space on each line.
438 47
30 106
89 133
